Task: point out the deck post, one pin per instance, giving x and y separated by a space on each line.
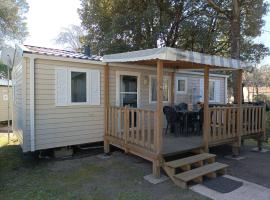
159 125
172 88
106 107
237 144
206 121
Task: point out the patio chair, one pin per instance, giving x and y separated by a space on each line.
171 117
193 124
201 121
183 106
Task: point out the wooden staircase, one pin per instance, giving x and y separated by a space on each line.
193 169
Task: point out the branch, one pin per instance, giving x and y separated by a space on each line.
217 8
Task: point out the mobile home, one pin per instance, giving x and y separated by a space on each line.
59 95
5 101
63 98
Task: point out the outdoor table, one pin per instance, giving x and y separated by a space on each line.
186 114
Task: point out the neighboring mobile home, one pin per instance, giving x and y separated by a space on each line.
5 101
59 95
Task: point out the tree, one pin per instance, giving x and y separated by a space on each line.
115 26
12 20
3 71
258 77
245 18
71 38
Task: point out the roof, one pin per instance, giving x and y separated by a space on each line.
171 55
58 52
4 82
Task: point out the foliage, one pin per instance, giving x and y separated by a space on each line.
12 20
258 77
3 71
115 26
71 37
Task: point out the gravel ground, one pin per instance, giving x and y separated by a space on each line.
253 168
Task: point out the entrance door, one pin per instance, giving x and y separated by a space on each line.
129 91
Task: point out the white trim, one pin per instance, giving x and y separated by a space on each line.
88 77
212 101
177 78
32 103
150 92
127 73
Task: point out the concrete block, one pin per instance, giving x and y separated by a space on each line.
235 157
256 149
152 179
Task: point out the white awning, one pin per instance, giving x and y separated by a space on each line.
173 54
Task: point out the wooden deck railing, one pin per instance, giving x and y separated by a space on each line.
253 120
132 127
224 126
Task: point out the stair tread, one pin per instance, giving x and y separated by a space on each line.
200 171
189 160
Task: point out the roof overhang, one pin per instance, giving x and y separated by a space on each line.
177 58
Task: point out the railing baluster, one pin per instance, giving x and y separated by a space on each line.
149 129
132 126
229 122
214 122
143 127
225 133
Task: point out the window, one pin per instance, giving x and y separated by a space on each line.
181 85
212 90
153 89
78 87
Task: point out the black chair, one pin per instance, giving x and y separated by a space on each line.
201 121
193 123
183 106
171 117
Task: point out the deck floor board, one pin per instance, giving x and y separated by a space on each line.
172 144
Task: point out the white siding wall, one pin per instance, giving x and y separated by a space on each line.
57 126
19 108
193 81
4 103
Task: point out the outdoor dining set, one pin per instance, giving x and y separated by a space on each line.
183 121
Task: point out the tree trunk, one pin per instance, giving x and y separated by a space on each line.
235 42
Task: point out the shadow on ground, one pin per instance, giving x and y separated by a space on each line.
23 176
253 168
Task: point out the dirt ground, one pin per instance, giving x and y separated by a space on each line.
82 177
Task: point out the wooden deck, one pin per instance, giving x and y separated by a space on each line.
173 145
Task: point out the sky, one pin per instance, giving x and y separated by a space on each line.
46 18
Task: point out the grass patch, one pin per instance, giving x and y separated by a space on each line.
22 176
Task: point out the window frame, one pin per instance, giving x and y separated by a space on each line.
87 86
214 100
150 91
176 85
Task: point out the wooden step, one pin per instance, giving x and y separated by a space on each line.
191 160
197 173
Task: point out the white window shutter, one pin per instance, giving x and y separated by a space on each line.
61 92
201 90
95 87
217 91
